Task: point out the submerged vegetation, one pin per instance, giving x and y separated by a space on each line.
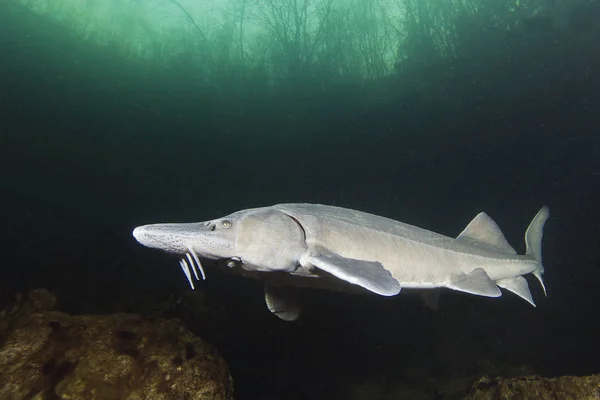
238 48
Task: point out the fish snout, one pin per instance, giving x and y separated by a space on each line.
167 237
143 235
174 238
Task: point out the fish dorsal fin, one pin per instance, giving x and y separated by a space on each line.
518 286
282 303
483 229
371 275
476 282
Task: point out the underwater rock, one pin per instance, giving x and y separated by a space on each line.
534 387
46 354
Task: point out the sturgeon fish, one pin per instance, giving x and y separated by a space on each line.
327 247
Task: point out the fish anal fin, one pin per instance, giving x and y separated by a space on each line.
476 282
518 286
483 229
370 275
282 302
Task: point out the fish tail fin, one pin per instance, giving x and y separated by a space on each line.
533 241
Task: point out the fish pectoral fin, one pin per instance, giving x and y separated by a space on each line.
476 282
370 275
282 302
518 286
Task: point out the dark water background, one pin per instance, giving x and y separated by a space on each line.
93 144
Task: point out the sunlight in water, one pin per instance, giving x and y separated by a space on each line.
366 38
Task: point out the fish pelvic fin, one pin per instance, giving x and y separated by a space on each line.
476 282
533 242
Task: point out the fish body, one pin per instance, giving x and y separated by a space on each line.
336 248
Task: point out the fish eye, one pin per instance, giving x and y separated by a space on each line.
226 223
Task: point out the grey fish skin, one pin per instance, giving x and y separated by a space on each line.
337 248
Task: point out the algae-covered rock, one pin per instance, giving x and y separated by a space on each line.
45 354
537 388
